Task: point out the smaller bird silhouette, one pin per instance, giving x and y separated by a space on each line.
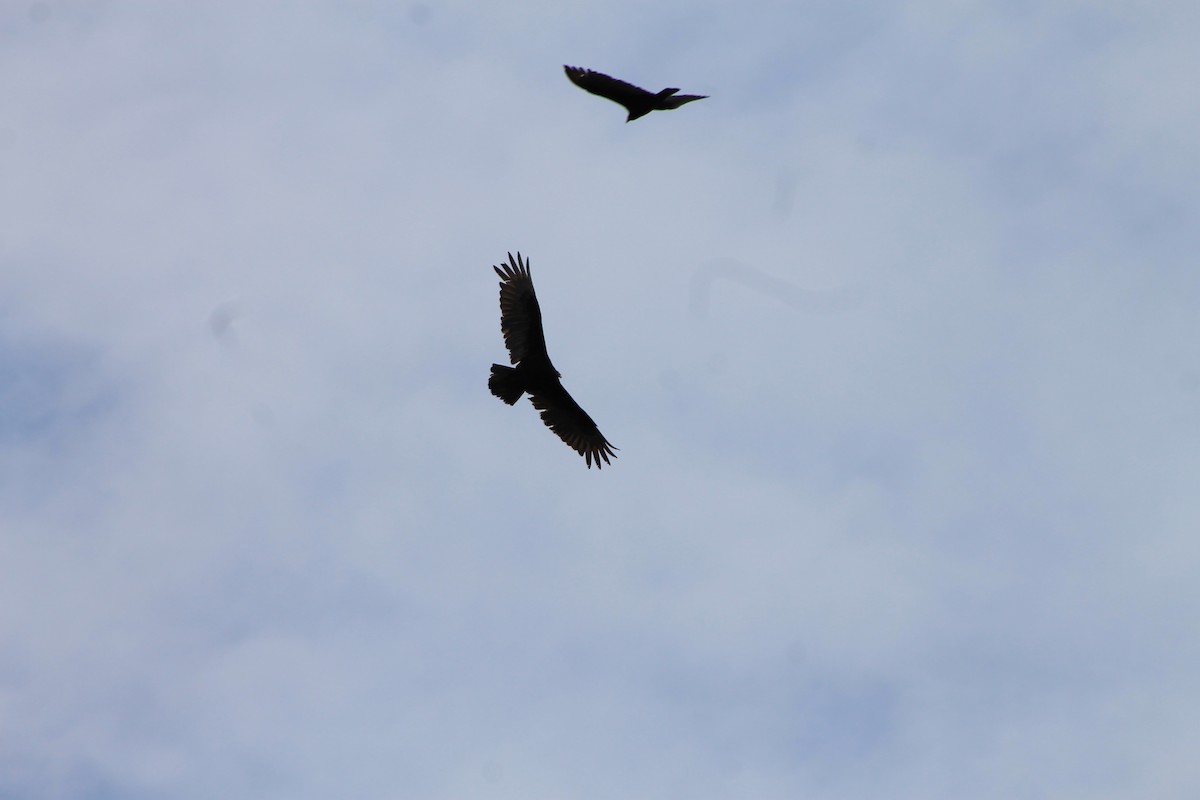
637 101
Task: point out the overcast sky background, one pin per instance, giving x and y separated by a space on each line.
897 333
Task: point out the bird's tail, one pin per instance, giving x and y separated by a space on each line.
505 384
677 100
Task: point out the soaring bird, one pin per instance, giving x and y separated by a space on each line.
638 102
521 324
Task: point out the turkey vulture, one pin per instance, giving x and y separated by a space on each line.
521 324
637 101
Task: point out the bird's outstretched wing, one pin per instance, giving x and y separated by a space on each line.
600 84
520 315
572 424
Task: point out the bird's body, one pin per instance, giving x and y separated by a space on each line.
637 101
533 373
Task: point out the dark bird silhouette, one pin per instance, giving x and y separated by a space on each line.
639 102
521 324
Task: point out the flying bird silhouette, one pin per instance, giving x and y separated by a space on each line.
638 102
521 324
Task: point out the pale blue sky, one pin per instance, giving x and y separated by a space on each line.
896 332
